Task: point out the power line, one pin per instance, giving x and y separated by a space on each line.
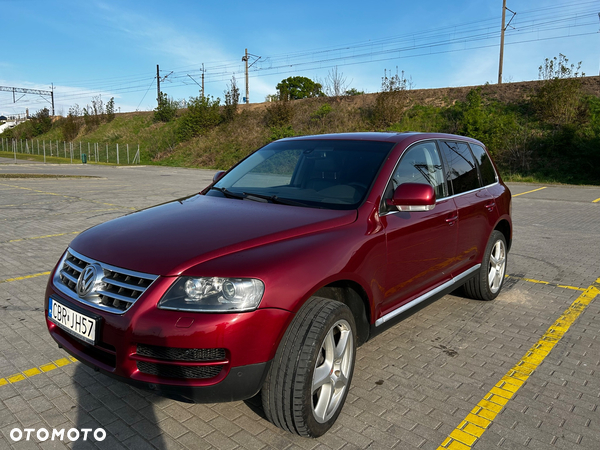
543 21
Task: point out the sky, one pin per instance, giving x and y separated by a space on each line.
85 49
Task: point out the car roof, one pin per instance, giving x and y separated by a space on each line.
412 136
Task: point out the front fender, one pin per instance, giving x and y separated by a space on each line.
294 269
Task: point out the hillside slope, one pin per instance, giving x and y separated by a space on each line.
517 121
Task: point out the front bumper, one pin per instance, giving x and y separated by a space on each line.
240 347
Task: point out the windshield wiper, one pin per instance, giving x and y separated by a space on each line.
229 194
274 199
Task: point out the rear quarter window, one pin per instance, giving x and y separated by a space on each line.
486 168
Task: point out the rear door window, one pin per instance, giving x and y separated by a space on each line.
486 168
462 171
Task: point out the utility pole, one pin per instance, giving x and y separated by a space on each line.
202 80
52 98
157 85
502 41
245 58
504 28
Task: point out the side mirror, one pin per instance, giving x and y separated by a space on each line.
413 197
218 176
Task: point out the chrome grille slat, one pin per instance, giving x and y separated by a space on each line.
116 289
70 277
122 284
116 296
73 266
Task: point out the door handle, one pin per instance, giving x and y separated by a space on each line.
452 220
490 206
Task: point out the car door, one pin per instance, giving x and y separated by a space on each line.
421 245
475 205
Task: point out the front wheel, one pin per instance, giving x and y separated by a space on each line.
487 283
310 376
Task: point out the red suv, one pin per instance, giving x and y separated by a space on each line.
269 279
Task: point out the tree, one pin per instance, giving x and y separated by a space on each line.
93 115
335 83
294 88
110 110
41 122
232 97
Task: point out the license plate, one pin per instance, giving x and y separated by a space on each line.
74 323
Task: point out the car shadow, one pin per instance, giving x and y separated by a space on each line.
255 405
126 414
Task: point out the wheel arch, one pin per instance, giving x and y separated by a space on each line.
354 296
504 227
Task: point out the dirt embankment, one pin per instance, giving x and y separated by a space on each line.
506 93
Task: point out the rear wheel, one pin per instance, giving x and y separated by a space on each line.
310 376
486 285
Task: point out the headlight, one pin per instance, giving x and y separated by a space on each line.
213 294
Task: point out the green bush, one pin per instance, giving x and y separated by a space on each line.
353 91
203 113
70 127
166 109
279 114
281 132
391 101
559 101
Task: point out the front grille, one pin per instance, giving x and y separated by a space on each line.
173 371
181 354
116 289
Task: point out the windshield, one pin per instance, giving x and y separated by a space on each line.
314 173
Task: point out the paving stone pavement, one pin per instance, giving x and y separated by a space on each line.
413 384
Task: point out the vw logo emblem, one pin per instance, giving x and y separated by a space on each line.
87 279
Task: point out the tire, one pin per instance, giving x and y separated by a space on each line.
488 281
310 376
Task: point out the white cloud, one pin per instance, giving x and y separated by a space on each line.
156 35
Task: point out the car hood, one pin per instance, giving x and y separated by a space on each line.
170 238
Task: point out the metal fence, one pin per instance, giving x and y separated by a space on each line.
77 152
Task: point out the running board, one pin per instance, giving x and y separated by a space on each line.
425 296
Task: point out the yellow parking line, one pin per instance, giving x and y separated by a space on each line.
531 280
37 370
40 237
596 201
474 425
8 280
529 192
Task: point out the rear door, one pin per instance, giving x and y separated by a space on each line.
475 205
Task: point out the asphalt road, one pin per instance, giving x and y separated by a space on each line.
522 371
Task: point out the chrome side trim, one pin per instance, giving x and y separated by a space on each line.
425 296
450 197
